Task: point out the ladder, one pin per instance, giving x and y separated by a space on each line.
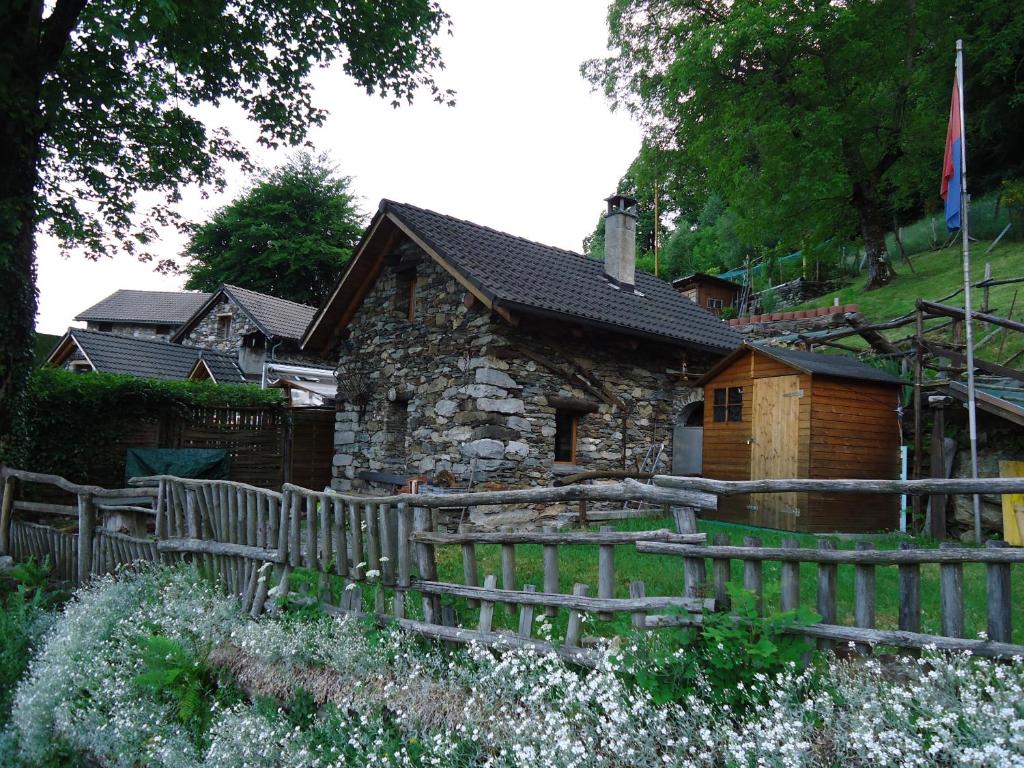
649 464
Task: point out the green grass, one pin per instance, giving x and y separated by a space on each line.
663 575
937 274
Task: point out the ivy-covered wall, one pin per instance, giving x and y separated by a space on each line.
78 425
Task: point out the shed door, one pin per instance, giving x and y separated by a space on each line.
775 447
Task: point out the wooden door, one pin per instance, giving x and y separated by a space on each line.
775 446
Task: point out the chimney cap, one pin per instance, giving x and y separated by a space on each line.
622 204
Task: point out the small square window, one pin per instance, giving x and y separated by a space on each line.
105 327
727 404
405 295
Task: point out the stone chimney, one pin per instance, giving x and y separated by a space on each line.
620 240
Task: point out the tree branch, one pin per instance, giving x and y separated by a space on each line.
56 31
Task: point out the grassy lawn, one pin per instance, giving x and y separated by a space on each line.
937 274
663 575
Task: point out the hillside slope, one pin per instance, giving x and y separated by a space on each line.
937 274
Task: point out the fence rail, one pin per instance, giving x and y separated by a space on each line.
252 539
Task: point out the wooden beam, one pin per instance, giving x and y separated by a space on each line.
994 368
958 313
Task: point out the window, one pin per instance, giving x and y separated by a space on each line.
715 305
728 404
566 426
105 327
224 326
80 366
163 330
405 295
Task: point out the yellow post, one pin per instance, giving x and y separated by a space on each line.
1013 505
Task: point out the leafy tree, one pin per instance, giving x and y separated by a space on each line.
807 117
289 235
98 102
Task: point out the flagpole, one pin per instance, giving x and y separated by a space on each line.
971 412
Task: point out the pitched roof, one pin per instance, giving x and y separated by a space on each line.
841 366
145 358
145 307
276 318
703 277
530 277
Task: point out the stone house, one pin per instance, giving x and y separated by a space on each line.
258 328
468 354
149 314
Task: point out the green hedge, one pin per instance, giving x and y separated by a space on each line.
73 424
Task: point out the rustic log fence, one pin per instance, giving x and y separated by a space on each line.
252 540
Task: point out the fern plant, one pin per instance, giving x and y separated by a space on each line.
180 677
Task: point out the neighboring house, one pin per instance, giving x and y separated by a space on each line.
257 328
469 351
84 350
154 314
708 291
774 413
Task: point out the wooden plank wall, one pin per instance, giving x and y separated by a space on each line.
254 437
855 434
726 444
312 449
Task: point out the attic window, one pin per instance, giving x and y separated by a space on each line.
728 404
405 294
223 326
105 327
163 330
80 366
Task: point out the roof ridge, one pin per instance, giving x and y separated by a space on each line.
269 296
387 201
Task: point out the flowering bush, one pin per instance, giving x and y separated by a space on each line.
328 692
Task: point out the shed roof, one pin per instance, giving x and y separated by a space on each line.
145 358
276 318
701 277
524 276
840 366
145 307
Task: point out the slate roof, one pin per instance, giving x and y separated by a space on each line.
528 276
145 307
841 366
150 358
276 318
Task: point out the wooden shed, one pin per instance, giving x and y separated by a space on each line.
777 413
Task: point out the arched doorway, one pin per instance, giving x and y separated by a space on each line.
688 440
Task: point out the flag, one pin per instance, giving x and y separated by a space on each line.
952 163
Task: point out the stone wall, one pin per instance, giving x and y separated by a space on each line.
130 329
457 391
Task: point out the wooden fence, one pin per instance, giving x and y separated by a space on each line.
253 540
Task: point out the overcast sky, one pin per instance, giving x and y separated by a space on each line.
527 149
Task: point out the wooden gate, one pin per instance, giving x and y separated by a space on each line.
775 439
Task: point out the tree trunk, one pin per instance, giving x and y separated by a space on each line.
865 200
20 133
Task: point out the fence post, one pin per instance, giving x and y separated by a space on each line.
910 594
469 565
387 545
864 595
550 571
722 569
526 614
355 526
404 558
294 543
427 565
951 589
606 572
572 630
7 514
753 579
694 571
826 592
340 539
637 590
789 574
1000 627
487 606
86 528
312 537
508 570
372 539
